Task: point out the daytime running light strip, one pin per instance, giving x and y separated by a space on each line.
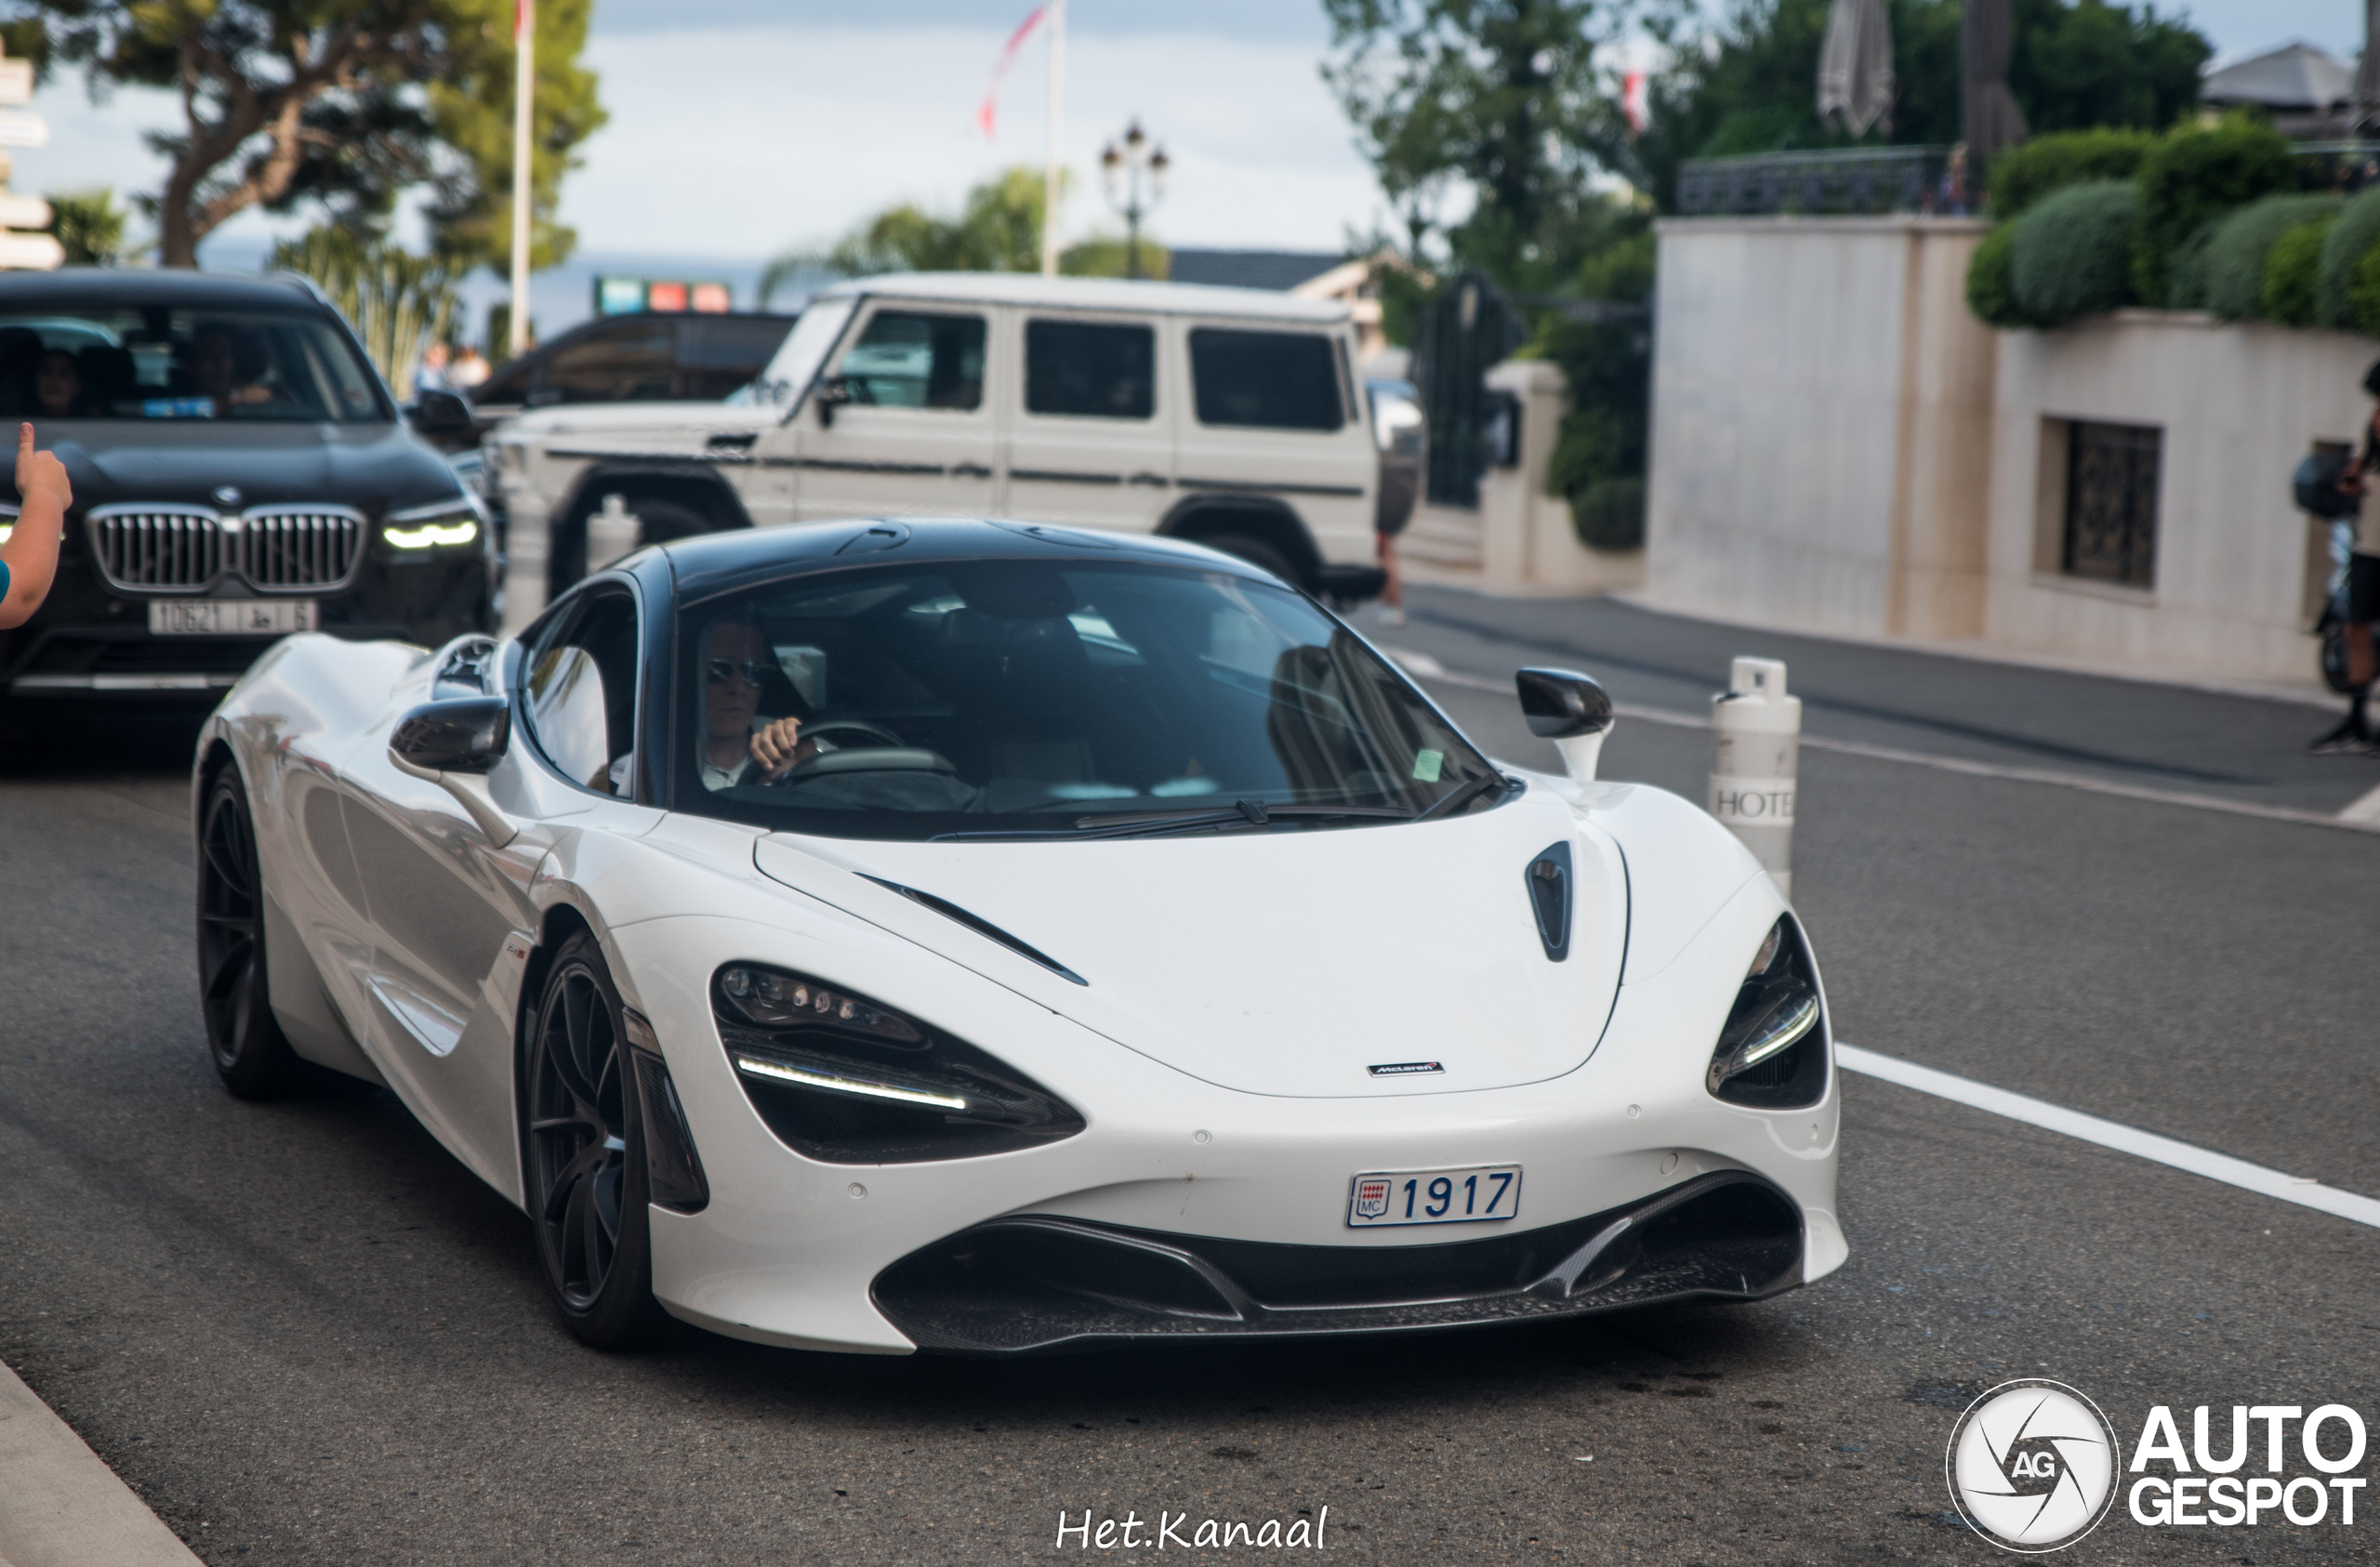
846 1084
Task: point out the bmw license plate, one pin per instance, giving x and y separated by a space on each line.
229 617
1465 1196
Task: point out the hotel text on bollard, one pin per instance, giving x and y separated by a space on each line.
1759 730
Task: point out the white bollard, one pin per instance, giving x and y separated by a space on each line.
1759 730
611 532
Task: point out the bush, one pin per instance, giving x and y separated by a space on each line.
2363 295
2193 175
2186 290
1989 293
2071 255
2293 293
2349 241
1609 513
2241 242
2027 172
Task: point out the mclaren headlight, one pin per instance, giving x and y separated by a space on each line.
1772 1054
441 525
847 1080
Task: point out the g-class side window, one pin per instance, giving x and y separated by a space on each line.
1266 380
1090 370
912 359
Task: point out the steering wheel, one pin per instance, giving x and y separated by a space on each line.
872 734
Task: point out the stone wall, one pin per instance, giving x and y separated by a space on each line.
1839 446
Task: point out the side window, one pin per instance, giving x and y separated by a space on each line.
1266 380
910 359
1090 370
581 696
636 359
717 354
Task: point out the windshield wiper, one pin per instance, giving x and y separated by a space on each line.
1243 813
1446 805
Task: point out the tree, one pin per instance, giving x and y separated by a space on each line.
470 115
90 226
1749 86
340 103
997 230
397 301
1497 93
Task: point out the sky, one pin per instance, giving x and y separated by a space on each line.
742 128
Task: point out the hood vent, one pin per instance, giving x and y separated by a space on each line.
983 926
1549 894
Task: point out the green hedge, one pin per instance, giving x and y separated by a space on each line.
2194 174
2293 291
2027 172
1609 513
2073 253
2186 286
2349 241
2241 242
1990 292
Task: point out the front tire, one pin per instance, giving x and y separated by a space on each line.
584 1139
234 998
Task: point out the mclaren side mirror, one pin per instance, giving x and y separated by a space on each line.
441 413
1571 710
455 744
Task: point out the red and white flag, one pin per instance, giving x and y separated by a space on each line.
1634 103
983 117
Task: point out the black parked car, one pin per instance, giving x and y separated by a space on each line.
653 358
239 472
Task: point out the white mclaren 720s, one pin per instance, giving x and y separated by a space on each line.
987 937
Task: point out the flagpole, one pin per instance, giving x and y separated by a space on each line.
1057 127
524 112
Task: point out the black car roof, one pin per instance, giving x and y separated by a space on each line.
152 286
720 562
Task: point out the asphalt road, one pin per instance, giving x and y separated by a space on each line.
303 1334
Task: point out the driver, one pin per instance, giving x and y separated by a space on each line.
737 660
217 352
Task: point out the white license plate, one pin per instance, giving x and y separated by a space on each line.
229 617
1465 1196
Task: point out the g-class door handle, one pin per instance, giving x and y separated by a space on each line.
970 470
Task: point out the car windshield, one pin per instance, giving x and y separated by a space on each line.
114 361
1005 697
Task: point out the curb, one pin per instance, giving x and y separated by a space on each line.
60 1506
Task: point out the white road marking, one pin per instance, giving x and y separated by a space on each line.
2365 812
2363 816
2304 1190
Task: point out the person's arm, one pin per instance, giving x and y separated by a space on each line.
31 553
778 746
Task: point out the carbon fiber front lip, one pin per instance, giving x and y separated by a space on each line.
1035 1284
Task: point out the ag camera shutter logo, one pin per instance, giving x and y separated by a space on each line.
2033 1466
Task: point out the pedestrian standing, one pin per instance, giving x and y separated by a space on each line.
2353 735
29 556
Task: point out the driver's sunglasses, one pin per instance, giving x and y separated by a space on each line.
725 669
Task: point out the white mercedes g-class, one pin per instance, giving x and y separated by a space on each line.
1231 416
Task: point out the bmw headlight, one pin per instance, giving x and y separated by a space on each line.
847 1080
1772 1054
441 524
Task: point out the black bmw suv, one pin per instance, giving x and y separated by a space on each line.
239 472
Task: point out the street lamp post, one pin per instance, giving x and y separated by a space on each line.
1134 175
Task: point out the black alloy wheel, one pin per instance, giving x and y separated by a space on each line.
585 1146
250 1053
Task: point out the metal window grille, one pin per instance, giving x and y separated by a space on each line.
2111 476
157 549
300 548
